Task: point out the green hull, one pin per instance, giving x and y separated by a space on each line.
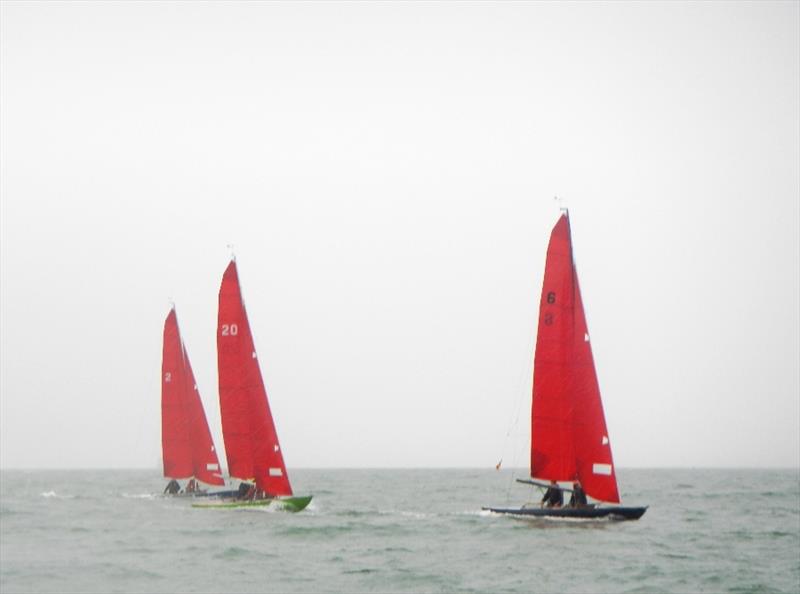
292 504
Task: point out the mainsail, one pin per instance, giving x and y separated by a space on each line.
187 446
569 440
251 442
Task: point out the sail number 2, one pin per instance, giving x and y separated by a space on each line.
230 329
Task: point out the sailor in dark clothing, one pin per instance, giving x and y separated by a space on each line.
553 497
578 498
246 491
173 488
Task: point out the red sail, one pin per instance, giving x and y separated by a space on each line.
251 442
569 439
186 441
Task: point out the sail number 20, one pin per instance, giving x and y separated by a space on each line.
230 329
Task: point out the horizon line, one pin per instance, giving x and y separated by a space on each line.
520 468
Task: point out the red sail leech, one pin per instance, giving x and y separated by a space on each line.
187 446
251 442
569 439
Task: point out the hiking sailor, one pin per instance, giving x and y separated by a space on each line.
553 497
173 488
578 498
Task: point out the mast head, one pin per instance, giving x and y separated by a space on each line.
561 206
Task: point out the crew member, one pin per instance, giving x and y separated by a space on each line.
173 488
247 491
553 497
578 498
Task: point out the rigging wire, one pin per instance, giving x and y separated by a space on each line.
523 382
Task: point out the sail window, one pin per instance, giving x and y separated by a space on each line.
602 469
275 472
212 466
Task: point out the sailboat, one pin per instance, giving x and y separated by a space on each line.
251 441
569 439
187 447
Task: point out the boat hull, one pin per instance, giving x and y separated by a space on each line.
292 504
216 494
575 513
205 494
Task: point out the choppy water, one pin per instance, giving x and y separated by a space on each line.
398 531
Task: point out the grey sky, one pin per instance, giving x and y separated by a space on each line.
386 173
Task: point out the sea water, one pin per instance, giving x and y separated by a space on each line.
398 531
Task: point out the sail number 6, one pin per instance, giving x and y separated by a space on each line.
230 329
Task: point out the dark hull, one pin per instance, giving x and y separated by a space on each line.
576 513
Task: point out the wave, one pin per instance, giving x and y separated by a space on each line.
53 494
322 531
480 513
407 514
550 520
235 552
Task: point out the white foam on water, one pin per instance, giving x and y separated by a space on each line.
481 513
415 515
264 509
55 495
562 520
405 514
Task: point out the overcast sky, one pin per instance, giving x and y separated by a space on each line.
386 174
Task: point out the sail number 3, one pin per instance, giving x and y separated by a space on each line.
230 329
